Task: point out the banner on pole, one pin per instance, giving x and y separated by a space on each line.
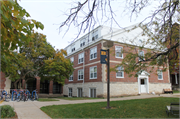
103 56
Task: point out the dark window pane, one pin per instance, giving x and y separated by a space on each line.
95 75
95 55
91 56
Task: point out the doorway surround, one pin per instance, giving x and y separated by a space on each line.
143 82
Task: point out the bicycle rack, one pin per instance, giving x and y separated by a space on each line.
34 94
4 91
13 95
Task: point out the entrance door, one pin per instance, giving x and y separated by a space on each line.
143 85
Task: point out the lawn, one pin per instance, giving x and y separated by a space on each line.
46 99
176 91
138 108
77 98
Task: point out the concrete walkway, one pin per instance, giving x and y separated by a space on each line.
31 109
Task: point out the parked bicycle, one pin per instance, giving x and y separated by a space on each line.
4 96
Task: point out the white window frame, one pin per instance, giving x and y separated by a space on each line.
81 56
70 92
82 42
73 48
71 77
78 92
93 93
118 47
140 55
81 74
160 71
121 72
92 52
72 59
93 72
95 35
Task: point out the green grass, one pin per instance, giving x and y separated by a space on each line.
46 99
77 98
176 91
138 108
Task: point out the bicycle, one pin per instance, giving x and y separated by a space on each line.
6 97
20 96
25 96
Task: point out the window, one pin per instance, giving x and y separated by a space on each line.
72 59
82 42
73 48
94 35
93 53
80 74
79 92
120 72
81 58
92 92
70 92
71 78
93 72
118 52
141 55
160 75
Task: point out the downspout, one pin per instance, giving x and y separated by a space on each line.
83 73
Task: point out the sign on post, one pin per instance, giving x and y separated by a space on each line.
103 56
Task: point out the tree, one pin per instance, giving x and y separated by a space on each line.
38 58
30 59
16 28
57 68
157 26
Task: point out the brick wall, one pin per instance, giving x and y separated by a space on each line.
2 80
87 64
153 78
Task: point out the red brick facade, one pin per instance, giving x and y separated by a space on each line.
2 80
153 77
38 84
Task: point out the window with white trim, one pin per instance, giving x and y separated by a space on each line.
81 58
70 92
93 72
160 75
82 42
118 52
79 93
141 55
94 35
120 72
92 92
71 78
93 53
73 48
72 59
80 74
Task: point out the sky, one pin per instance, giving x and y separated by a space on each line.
51 13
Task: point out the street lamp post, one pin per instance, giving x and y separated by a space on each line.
108 44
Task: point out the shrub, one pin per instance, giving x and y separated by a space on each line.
7 111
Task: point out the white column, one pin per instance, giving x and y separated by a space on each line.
147 84
139 88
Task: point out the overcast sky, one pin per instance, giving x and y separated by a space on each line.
51 14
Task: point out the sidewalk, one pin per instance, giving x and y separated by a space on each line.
31 109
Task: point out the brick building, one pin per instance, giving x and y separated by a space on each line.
43 87
89 78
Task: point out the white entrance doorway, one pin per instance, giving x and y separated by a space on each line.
143 82
143 85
